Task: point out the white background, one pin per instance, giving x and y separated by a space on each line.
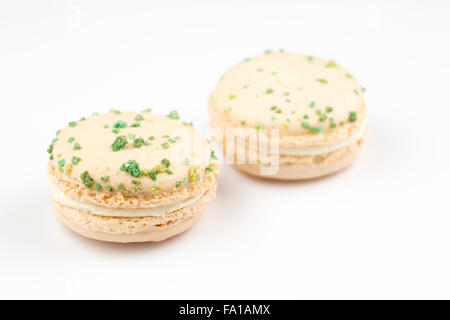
380 229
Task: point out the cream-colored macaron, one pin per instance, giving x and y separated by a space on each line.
310 111
130 177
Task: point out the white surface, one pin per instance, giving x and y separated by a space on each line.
377 230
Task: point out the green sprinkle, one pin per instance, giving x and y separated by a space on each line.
288 120
151 138
109 189
323 118
269 91
259 70
245 86
139 142
135 125
165 163
75 160
323 81
69 169
363 89
173 140
173 115
165 145
105 179
318 112
98 186
213 155
50 148
82 119
329 109
135 189
147 143
115 111
232 96
316 129
332 125
259 126
159 168
72 124
247 59
51 157
242 123
209 169
132 136
135 181
341 123
305 116
147 110
352 116
54 140
309 58
305 125
178 184
356 92
116 130
71 139
62 162
186 161
119 143
348 75
119 124
132 167
273 118
168 171
331 64
278 111
312 104
194 174
139 118
86 179
154 190
76 146
153 174
121 186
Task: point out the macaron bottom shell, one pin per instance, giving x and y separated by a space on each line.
136 229
320 167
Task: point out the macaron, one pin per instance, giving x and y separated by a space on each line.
310 111
131 177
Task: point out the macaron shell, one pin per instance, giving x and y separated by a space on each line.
117 200
309 167
95 137
277 90
125 230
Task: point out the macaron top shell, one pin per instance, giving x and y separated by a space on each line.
298 94
131 153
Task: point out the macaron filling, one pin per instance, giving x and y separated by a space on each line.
322 149
159 211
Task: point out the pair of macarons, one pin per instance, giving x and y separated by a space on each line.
134 177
